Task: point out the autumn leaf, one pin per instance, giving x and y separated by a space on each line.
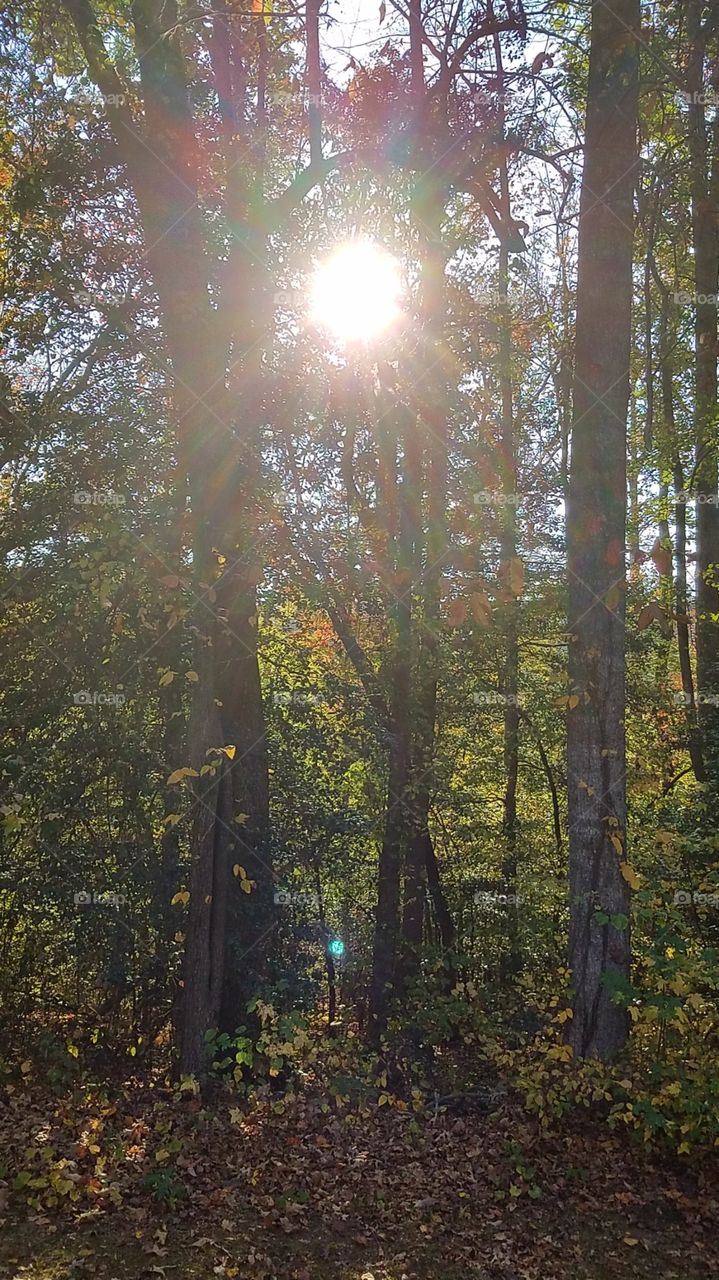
182 897
661 559
179 774
630 875
456 613
649 613
481 608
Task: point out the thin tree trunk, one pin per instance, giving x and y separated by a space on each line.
705 231
508 553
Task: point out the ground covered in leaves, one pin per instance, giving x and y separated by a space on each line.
149 1183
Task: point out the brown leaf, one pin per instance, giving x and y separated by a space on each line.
456 613
662 559
481 608
649 613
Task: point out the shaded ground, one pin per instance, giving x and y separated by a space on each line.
590 1247
321 1194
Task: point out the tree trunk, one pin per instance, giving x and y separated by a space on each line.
596 534
706 263
508 553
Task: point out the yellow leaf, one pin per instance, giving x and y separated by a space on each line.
192 676
573 701
171 819
678 986
629 874
630 1240
237 870
26 1067
179 774
183 896
162 1155
241 819
73 1050
246 885
383 1099
168 677
230 752
617 843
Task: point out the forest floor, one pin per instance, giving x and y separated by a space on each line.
165 1189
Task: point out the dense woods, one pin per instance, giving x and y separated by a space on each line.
360 622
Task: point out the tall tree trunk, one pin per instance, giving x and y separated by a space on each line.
431 428
705 232
596 531
165 180
403 542
681 599
508 553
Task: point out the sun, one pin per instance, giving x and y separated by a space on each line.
355 293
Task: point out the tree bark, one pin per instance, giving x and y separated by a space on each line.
705 231
596 535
